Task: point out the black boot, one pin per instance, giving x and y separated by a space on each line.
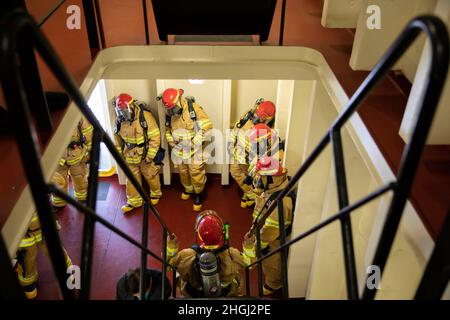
198 202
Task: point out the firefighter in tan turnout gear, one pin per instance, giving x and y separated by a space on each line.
239 146
187 129
74 163
269 179
26 257
211 268
138 140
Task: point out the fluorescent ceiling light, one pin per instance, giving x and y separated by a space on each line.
196 81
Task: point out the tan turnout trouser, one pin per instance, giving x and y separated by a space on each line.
27 266
193 177
79 173
150 171
239 173
272 268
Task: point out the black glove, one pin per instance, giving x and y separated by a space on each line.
159 157
248 180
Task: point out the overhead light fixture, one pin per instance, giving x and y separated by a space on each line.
196 81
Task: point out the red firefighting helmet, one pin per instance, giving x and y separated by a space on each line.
209 230
123 101
266 110
269 166
261 131
170 97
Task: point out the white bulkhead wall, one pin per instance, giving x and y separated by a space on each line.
244 93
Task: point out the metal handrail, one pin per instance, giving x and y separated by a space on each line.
439 40
19 27
51 12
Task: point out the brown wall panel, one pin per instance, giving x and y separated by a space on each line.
72 46
123 22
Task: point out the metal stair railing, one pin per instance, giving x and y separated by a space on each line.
16 29
438 37
436 276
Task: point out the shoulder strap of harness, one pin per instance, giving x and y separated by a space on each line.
144 126
168 121
81 138
244 119
192 114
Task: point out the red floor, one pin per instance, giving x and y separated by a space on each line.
113 256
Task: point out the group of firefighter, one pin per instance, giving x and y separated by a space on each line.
211 268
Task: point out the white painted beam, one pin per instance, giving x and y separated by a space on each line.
340 13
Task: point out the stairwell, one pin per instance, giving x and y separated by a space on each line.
429 197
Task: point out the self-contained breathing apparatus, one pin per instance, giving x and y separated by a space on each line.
81 139
207 268
192 114
250 115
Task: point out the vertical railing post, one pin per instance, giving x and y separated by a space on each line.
259 255
91 27
283 253
346 226
144 9
87 250
247 281
33 84
174 283
100 23
437 273
144 242
13 89
282 18
164 268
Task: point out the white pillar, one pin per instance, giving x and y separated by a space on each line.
341 13
303 101
371 44
310 192
440 131
285 93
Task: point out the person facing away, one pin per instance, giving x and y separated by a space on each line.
270 178
128 285
210 268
